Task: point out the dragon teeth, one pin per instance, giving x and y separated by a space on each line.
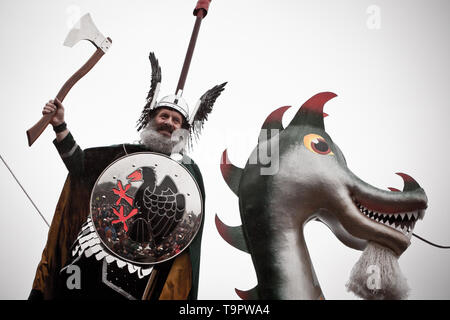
403 222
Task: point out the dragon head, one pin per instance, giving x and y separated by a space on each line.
306 178
354 210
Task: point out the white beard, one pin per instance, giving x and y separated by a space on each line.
377 275
155 141
158 142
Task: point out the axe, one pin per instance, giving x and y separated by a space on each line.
85 29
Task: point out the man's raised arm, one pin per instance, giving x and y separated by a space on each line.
68 149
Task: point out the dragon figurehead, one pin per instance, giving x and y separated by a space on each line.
307 178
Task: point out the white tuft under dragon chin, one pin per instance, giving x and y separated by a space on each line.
377 275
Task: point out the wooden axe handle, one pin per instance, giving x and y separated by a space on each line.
35 131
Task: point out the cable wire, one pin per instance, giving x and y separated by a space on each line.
431 243
18 182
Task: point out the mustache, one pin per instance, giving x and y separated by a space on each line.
166 127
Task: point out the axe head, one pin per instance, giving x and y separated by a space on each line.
85 29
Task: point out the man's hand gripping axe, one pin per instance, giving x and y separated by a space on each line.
85 29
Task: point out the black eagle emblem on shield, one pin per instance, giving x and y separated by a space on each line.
160 207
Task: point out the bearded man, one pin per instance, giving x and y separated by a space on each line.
72 265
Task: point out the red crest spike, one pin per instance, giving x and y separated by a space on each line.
274 119
316 102
409 183
311 112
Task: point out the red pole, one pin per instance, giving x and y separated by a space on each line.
200 11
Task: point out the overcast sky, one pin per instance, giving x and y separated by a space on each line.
386 60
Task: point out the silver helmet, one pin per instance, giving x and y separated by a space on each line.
175 102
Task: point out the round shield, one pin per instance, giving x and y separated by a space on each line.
146 208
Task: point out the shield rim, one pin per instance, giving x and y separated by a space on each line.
105 247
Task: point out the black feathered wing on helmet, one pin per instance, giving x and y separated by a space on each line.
153 93
204 108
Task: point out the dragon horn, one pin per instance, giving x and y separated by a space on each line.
233 235
409 183
272 122
251 294
230 173
311 112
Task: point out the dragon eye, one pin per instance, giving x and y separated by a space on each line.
317 144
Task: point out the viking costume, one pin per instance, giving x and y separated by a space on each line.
177 279
139 239
73 240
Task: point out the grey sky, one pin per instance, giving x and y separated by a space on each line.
386 60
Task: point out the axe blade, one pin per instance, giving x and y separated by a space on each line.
85 29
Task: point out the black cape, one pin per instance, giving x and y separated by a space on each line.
71 213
